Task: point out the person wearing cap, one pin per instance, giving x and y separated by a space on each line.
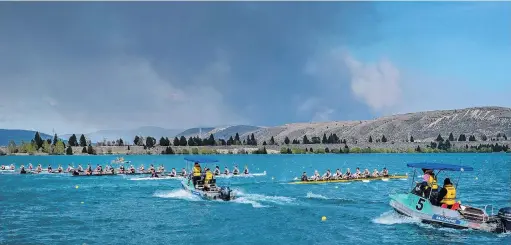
235 171
226 171
245 171
173 173
304 176
385 172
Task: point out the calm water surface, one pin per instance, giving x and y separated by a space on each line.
49 209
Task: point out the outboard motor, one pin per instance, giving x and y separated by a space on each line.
225 193
505 218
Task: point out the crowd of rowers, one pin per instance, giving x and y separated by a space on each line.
5 167
348 175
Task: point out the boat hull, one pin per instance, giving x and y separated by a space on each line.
352 180
206 195
421 208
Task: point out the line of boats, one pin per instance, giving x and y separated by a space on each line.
421 203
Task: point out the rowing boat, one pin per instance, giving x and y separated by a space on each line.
240 175
382 178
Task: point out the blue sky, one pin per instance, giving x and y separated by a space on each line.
85 66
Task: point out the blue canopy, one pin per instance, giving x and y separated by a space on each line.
439 166
201 159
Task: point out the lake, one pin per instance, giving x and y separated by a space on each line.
49 209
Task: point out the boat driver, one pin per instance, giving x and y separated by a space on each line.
196 173
207 179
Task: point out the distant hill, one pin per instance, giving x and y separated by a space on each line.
425 126
128 135
219 132
19 135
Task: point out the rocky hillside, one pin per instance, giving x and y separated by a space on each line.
423 126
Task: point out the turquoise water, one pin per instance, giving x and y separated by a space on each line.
48 209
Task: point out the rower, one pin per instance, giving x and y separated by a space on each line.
151 168
245 171
50 169
80 169
327 175
357 173
89 169
154 174
183 172
161 169
22 170
226 171
348 174
3 167
375 173
121 168
235 171
13 167
385 172
338 174
447 195
173 173
59 169
30 167
207 179
141 168
69 168
304 176
366 173
196 173
39 168
316 176
132 169
217 171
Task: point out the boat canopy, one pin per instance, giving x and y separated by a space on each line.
201 159
439 166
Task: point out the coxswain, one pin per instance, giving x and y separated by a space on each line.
60 169
327 175
375 173
217 171
226 171
197 172
235 171
183 172
49 169
245 171
173 173
385 172
207 179
447 195
304 177
22 170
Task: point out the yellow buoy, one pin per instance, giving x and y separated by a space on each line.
76 187
82 202
336 187
323 218
272 178
477 178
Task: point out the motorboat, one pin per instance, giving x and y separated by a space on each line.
418 204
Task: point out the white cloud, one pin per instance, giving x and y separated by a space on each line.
375 84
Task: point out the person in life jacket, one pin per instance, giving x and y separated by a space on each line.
447 195
207 179
196 173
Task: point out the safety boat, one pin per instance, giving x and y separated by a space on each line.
418 204
369 179
213 192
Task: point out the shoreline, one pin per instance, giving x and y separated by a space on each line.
401 147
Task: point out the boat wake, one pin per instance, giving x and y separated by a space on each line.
391 218
261 201
177 194
316 196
